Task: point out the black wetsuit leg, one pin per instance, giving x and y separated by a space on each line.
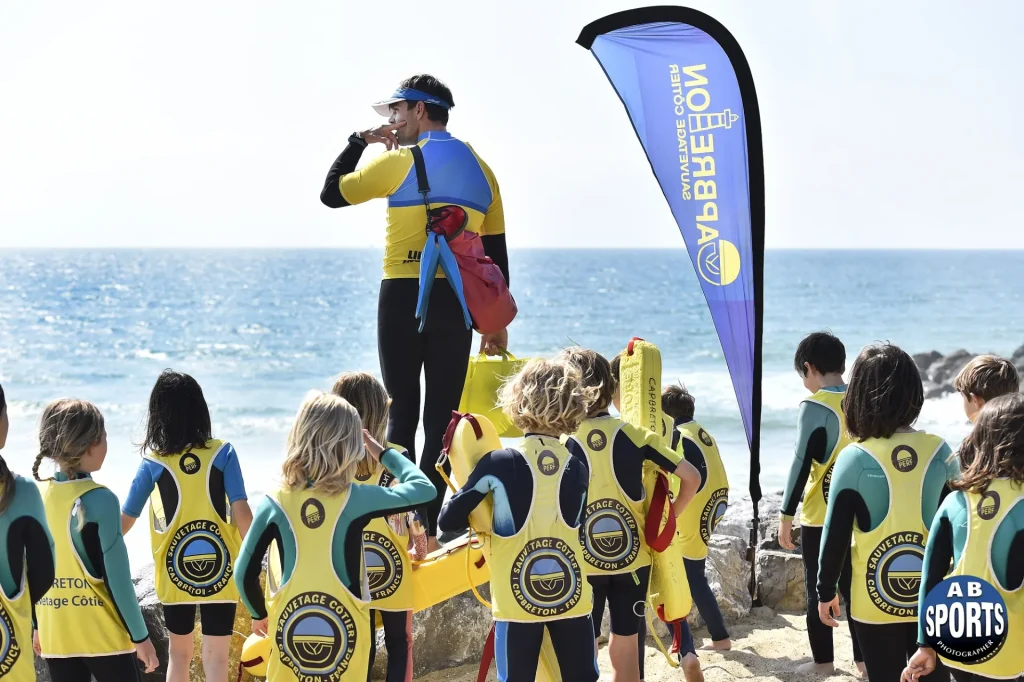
888 648
118 668
441 353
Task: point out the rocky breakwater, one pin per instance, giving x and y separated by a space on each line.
938 371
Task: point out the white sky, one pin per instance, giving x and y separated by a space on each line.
886 124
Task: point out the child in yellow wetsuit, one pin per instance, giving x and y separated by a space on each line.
198 518
90 623
539 491
618 560
885 491
387 541
26 564
980 530
318 616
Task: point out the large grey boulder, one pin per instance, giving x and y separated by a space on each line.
780 580
445 636
943 371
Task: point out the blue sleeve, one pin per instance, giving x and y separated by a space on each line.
101 507
142 488
227 461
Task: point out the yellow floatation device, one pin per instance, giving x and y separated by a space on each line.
255 654
668 594
468 439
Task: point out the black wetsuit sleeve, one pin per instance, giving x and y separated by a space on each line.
497 250
346 162
251 587
494 465
572 493
811 446
1015 563
693 455
846 506
28 543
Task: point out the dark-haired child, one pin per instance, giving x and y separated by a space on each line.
980 529
887 486
199 515
697 522
820 360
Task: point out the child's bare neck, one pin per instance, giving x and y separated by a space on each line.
833 379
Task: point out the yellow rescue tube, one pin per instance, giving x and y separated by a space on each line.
640 396
255 653
472 437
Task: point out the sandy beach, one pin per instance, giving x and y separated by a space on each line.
766 646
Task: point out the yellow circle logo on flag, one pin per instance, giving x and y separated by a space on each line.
719 262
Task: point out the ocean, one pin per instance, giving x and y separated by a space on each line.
258 329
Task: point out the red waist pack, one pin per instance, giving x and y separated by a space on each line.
488 298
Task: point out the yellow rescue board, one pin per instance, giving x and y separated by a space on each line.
640 395
444 573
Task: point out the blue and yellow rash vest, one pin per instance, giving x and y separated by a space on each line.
26 573
364 503
885 494
983 536
457 175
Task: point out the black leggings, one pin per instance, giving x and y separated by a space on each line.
819 634
625 596
888 648
397 642
517 649
119 668
441 353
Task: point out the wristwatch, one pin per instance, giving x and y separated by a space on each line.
356 139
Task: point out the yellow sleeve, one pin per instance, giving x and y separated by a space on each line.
378 179
494 220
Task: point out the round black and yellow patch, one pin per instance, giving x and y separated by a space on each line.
197 560
894 574
316 637
384 570
609 535
546 579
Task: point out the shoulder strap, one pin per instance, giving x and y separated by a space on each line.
421 171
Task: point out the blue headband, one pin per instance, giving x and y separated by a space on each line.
412 95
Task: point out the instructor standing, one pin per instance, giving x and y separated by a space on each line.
418 115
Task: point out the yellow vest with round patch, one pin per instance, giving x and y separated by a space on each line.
193 551
612 528
77 616
887 561
538 574
697 522
320 631
385 553
815 500
985 514
16 657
